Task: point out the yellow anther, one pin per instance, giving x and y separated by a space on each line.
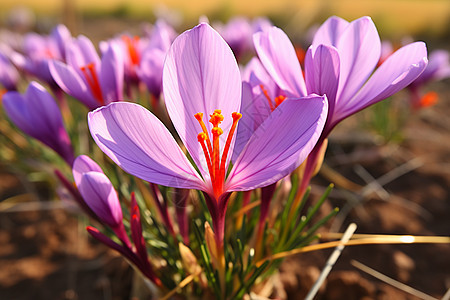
201 137
199 116
216 131
216 118
236 116
279 100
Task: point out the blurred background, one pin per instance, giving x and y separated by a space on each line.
394 18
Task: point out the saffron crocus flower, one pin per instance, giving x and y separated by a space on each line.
37 114
201 77
339 63
340 60
99 194
86 77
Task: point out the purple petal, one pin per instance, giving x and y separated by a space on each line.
112 75
17 111
322 72
330 31
84 164
141 145
200 75
278 56
82 52
150 70
101 197
280 144
71 83
399 70
359 50
61 35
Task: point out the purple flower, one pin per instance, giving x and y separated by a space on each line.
339 63
200 77
85 77
37 114
150 69
99 194
238 31
39 50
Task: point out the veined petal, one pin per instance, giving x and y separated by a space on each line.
278 56
398 71
200 75
322 72
330 31
111 75
359 51
71 83
280 144
258 109
246 125
141 145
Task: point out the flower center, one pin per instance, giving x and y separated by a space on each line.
216 164
278 100
131 44
90 74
